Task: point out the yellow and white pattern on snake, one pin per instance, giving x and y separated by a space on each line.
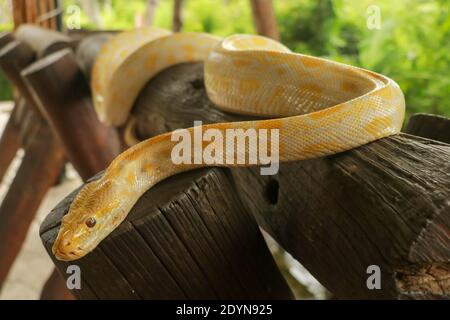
320 107
129 60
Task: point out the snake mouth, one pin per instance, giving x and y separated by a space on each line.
67 252
68 255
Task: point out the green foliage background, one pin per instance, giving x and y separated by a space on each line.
412 46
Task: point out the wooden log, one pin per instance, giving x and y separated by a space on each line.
41 165
9 140
5 38
62 94
9 143
189 237
88 50
42 41
385 203
14 57
429 126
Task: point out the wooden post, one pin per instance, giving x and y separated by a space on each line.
60 89
9 142
5 38
42 41
44 44
13 58
88 49
264 18
177 20
187 238
39 170
429 126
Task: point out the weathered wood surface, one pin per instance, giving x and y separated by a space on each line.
88 49
36 12
5 38
9 143
17 212
61 94
42 41
42 165
189 237
385 203
14 57
430 127
60 90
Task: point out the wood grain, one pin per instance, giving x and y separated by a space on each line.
189 237
60 90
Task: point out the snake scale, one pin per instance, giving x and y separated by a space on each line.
320 107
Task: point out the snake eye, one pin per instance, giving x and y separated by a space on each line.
90 222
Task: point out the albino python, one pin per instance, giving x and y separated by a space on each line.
319 106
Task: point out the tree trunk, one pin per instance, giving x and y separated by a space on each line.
177 19
264 18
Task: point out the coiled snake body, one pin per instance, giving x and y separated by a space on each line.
320 107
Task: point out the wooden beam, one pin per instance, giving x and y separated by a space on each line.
188 238
42 41
59 88
39 170
9 142
429 126
13 58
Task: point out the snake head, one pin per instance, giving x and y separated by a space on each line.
93 214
